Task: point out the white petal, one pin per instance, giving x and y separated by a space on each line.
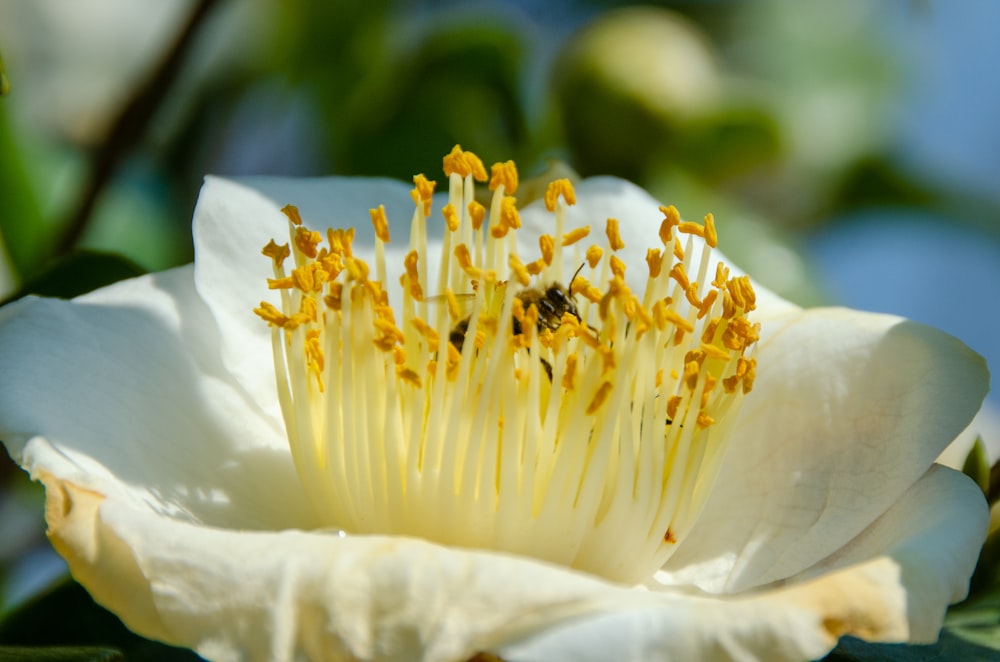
800 622
848 411
294 595
934 532
233 220
122 391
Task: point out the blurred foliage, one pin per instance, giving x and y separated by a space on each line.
775 116
66 624
949 648
78 273
4 82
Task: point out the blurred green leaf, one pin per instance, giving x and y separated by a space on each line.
68 617
977 466
20 216
4 82
59 654
947 649
79 273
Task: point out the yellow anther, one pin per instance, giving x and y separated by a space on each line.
645 319
334 299
706 392
270 314
617 266
750 376
340 241
711 236
464 164
381 223
398 355
594 254
423 192
672 406
736 292
740 333
536 266
390 330
505 174
569 377
704 420
603 391
408 375
721 276
450 217
292 212
463 256
356 269
748 293
690 227
477 213
707 303
306 241
608 359
547 245
556 188
691 371
308 278
678 274
276 253
612 229
280 283
659 378
692 295
714 351
578 285
575 235
654 262
314 357
424 329
412 276
510 217
708 335
678 249
519 270
671 219
308 309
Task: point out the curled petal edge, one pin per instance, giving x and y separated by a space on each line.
385 609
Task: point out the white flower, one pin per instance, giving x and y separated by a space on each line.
489 506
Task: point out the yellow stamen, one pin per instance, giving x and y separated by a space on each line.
523 406
615 242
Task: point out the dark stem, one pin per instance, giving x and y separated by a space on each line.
130 126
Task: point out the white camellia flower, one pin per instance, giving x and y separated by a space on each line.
619 450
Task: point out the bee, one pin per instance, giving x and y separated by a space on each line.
552 303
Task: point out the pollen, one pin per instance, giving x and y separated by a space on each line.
553 403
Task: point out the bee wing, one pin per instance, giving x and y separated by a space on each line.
463 303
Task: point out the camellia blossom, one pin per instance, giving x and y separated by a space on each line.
565 431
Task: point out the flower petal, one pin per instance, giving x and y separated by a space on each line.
934 531
848 411
799 622
294 595
120 389
233 220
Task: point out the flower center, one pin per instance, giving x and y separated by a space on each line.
524 407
